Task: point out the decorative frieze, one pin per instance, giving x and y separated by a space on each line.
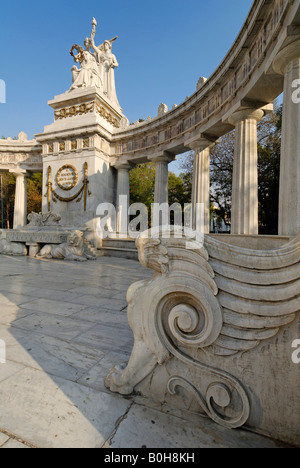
73 111
40 237
86 108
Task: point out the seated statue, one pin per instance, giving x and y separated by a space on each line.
72 250
88 74
12 248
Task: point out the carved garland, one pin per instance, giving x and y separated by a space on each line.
83 191
73 111
83 109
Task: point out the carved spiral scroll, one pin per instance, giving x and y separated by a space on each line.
218 397
188 314
191 326
183 320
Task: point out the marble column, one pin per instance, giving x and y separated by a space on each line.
287 63
20 209
244 211
201 183
161 194
123 197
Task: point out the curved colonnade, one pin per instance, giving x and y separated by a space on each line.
263 62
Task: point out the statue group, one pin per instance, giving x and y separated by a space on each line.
97 68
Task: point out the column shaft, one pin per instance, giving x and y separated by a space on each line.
201 187
289 198
160 213
287 63
244 212
161 182
123 198
20 209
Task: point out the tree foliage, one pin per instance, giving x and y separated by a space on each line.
142 187
34 193
8 199
34 196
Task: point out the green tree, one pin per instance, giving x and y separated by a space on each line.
142 184
8 192
34 193
34 196
142 187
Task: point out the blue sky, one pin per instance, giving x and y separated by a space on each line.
164 46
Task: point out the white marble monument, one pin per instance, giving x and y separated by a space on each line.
77 154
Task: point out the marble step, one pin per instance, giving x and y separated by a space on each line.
119 248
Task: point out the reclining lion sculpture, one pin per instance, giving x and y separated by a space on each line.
72 250
12 248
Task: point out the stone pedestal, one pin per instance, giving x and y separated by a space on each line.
288 64
34 249
77 157
244 212
20 209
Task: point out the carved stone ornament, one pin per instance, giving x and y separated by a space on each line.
162 110
12 248
86 108
73 111
194 306
67 177
43 219
72 250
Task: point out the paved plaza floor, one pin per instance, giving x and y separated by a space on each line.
64 326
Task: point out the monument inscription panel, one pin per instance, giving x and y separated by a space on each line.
67 177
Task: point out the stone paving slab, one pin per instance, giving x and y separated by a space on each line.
14 444
57 413
64 325
148 428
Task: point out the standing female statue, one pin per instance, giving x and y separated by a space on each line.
107 63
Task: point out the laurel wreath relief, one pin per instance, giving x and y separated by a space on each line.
82 192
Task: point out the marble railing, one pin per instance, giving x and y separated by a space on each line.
21 154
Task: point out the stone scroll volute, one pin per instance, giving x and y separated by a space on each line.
172 316
205 305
